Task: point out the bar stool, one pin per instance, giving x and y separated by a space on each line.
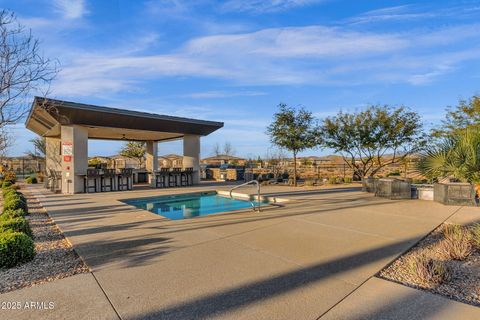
108 175
161 178
172 177
189 174
92 174
124 178
185 177
50 181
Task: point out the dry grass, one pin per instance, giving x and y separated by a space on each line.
446 262
456 243
425 271
476 235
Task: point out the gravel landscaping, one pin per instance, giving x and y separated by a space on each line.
457 279
54 259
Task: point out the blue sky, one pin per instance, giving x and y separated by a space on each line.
235 61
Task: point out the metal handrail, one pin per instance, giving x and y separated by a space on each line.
258 192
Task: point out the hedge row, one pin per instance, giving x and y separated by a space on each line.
31 180
16 243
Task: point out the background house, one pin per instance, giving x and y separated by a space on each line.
224 159
170 161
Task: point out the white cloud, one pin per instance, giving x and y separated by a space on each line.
258 6
223 94
70 9
391 14
295 55
299 42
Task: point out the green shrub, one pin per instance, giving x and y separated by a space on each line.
285 175
14 195
348 179
15 202
309 183
394 174
16 225
332 180
31 180
419 181
15 248
6 184
10 213
7 191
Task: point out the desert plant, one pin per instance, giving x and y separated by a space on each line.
15 248
348 179
394 174
425 271
40 176
16 225
10 176
454 157
456 243
476 235
332 180
12 213
309 183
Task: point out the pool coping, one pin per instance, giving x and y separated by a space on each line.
271 202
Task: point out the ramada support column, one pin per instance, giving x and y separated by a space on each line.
74 158
191 155
152 161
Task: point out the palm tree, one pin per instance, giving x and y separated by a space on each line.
457 157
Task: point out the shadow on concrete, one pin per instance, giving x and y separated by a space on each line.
222 302
172 227
138 250
417 305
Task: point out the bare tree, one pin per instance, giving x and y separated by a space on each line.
216 150
276 161
40 148
23 69
228 149
6 142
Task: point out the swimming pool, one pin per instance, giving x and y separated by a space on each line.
187 206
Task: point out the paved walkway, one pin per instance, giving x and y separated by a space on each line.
314 257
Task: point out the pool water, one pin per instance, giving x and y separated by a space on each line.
187 206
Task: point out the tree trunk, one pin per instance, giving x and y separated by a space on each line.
294 169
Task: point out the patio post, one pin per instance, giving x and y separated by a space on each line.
191 155
151 161
74 156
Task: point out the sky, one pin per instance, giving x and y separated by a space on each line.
236 60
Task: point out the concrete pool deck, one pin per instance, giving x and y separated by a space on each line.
314 257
